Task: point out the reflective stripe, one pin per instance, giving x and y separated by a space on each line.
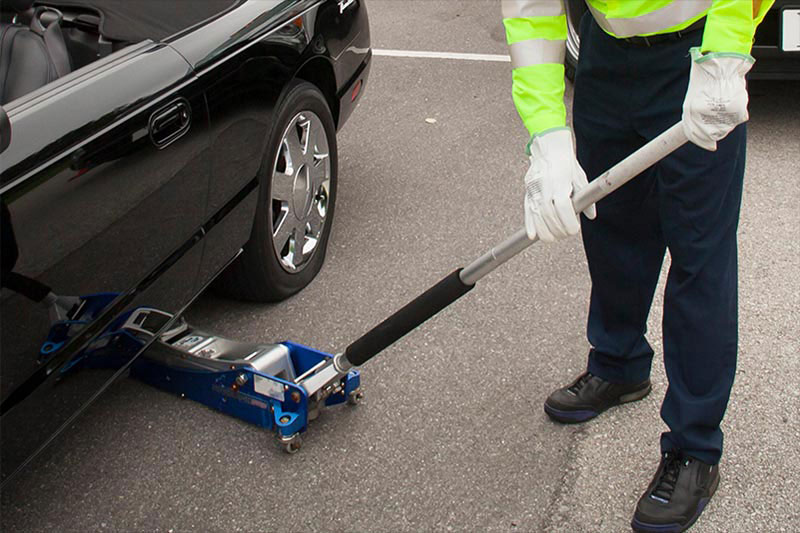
536 52
532 8
677 12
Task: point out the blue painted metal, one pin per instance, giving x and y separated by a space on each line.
91 306
232 392
305 358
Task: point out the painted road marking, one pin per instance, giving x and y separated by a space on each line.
442 55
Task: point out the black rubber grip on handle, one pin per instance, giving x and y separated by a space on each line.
417 311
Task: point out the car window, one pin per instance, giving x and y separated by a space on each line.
127 21
45 40
42 44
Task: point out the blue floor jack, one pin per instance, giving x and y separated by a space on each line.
269 385
283 386
274 386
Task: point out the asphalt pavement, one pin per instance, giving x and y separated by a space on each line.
451 435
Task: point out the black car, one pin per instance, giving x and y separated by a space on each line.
776 47
148 149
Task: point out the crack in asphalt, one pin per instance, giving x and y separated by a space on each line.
556 512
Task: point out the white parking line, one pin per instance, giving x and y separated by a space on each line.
442 55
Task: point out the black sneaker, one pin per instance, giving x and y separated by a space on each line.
588 396
680 490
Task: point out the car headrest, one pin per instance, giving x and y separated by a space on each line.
20 6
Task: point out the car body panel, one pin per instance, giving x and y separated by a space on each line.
771 61
242 89
72 149
243 80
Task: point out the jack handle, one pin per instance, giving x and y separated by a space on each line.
461 281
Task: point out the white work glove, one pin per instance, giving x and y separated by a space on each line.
716 101
553 177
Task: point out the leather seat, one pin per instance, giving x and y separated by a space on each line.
33 55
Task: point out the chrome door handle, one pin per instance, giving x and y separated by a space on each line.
170 123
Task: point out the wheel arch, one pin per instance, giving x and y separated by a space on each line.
319 72
256 274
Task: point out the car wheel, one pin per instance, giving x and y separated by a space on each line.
575 10
297 196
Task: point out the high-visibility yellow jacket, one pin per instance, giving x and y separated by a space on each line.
536 31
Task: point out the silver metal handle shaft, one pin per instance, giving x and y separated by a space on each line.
445 292
605 184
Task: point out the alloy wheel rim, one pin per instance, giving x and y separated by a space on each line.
300 192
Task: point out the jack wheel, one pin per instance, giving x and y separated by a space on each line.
355 397
292 444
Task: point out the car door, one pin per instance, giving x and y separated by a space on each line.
103 190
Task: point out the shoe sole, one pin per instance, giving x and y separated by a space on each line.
576 417
642 527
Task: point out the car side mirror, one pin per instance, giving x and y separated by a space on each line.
5 130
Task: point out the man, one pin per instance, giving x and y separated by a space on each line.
643 66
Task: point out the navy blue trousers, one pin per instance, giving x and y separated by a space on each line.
689 204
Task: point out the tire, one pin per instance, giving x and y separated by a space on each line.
575 10
297 196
